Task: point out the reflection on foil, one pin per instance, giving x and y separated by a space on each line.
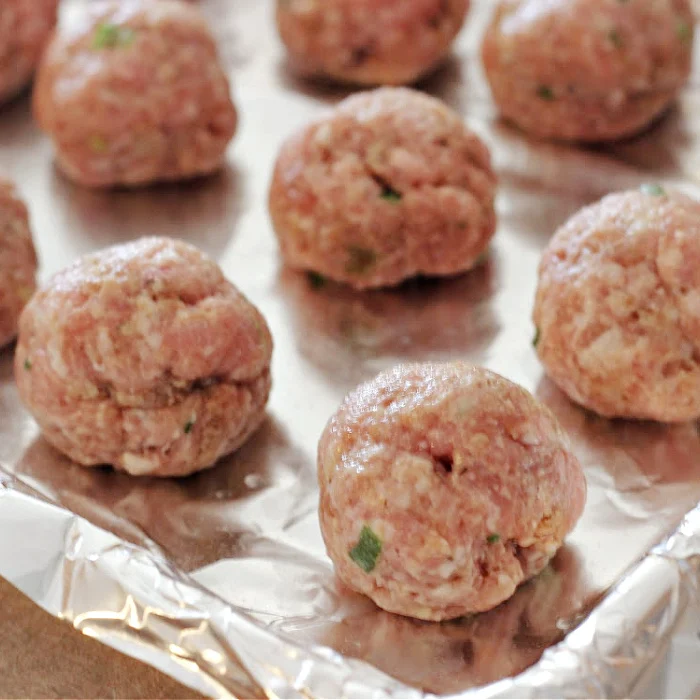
193 519
221 579
473 651
343 333
208 206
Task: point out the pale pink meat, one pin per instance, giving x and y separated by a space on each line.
18 261
464 478
145 357
618 306
369 42
587 70
25 27
390 185
135 93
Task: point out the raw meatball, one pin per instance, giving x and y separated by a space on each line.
618 306
443 488
587 70
135 93
369 42
390 185
25 26
145 357
18 260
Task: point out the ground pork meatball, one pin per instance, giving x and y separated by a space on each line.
25 26
444 487
369 42
135 93
145 357
587 70
618 306
388 186
18 261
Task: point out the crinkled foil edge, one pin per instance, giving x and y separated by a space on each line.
130 597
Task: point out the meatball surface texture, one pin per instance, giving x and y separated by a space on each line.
145 357
25 27
618 306
587 70
135 93
369 42
443 488
390 185
18 261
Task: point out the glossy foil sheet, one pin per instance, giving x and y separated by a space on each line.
221 579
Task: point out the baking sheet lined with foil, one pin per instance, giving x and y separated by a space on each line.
244 535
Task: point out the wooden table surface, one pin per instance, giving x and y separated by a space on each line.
42 657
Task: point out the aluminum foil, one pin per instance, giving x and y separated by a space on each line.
221 579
